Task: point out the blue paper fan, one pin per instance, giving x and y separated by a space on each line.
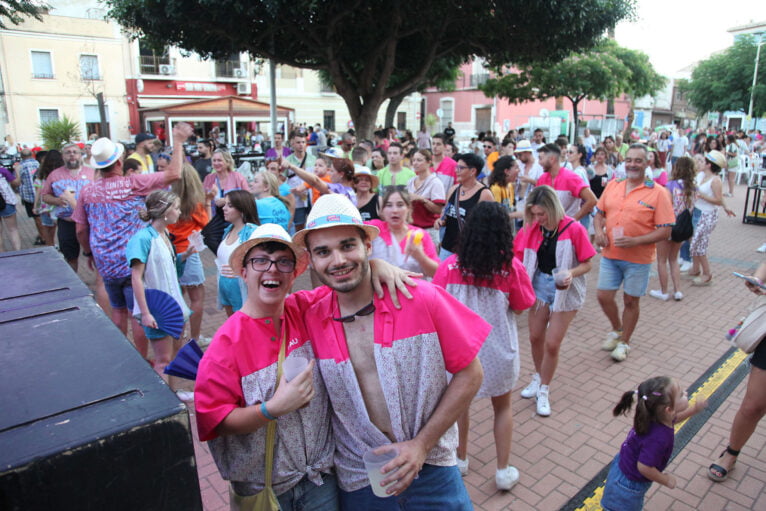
186 362
166 311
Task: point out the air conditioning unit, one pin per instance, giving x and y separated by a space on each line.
240 72
244 88
166 69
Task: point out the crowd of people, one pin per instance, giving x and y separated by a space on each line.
508 226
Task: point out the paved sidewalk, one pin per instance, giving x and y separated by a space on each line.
559 455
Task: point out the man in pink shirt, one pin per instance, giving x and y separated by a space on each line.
386 369
444 166
576 196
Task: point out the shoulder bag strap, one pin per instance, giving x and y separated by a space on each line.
271 429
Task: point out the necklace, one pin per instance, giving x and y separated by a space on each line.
464 191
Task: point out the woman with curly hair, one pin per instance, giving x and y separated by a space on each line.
484 276
550 241
681 187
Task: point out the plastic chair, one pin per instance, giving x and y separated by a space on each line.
745 168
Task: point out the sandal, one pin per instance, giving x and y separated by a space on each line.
699 282
716 472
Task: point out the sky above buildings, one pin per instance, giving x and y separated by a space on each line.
678 33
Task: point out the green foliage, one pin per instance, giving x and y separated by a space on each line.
15 11
57 133
724 81
604 72
374 51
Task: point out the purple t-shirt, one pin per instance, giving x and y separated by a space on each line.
272 153
7 174
676 189
652 449
110 207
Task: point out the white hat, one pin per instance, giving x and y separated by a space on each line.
361 170
262 234
333 210
104 153
334 152
523 146
718 158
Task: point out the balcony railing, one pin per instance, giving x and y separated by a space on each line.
230 69
479 79
150 64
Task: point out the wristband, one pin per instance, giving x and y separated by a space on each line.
266 413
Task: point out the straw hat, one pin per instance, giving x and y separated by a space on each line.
718 158
523 146
333 210
335 152
262 234
104 152
361 170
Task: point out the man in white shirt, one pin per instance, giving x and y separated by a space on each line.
679 146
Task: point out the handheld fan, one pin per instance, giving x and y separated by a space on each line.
166 311
186 362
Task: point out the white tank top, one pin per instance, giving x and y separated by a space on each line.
222 257
707 189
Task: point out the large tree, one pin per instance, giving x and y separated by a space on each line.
363 44
603 72
16 10
724 81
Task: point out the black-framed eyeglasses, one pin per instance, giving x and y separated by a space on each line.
364 311
263 264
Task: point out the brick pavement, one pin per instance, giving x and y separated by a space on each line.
558 455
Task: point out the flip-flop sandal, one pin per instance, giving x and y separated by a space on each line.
716 472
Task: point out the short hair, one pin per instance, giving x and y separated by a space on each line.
297 134
440 136
642 147
396 144
550 148
473 161
545 197
26 153
358 153
131 164
537 130
491 140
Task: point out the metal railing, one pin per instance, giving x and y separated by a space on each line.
150 64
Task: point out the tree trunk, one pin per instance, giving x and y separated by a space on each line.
576 120
364 121
629 124
393 105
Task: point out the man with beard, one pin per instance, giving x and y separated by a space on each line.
203 165
279 150
386 369
633 215
575 195
61 190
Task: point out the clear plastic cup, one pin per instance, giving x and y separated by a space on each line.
559 276
618 232
197 240
293 366
374 463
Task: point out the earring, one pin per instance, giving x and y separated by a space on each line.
166 219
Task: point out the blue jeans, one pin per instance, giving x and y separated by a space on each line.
439 488
686 245
306 496
621 493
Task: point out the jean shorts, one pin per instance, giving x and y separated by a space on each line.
154 333
633 276
120 292
621 493
229 293
8 210
194 272
544 286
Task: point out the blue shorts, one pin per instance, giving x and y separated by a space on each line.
633 276
621 493
154 333
229 293
194 272
120 292
544 286
439 488
8 210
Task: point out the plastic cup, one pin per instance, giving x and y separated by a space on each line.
294 366
618 232
374 463
197 241
559 276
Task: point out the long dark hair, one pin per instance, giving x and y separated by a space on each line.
651 397
486 243
51 162
683 170
244 202
498 172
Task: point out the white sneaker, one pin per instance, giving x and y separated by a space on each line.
678 296
686 266
530 390
620 352
612 338
656 293
462 465
185 396
203 341
761 249
543 405
506 478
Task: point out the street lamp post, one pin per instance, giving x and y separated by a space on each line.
759 36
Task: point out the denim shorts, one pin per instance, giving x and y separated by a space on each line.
229 293
47 220
544 286
8 210
621 493
194 272
154 333
439 488
633 276
120 292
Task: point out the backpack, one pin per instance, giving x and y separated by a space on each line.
683 229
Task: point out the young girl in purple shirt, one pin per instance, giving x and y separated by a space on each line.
660 403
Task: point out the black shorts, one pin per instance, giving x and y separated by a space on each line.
759 356
68 244
29 206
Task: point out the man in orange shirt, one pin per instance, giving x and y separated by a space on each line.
633 215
